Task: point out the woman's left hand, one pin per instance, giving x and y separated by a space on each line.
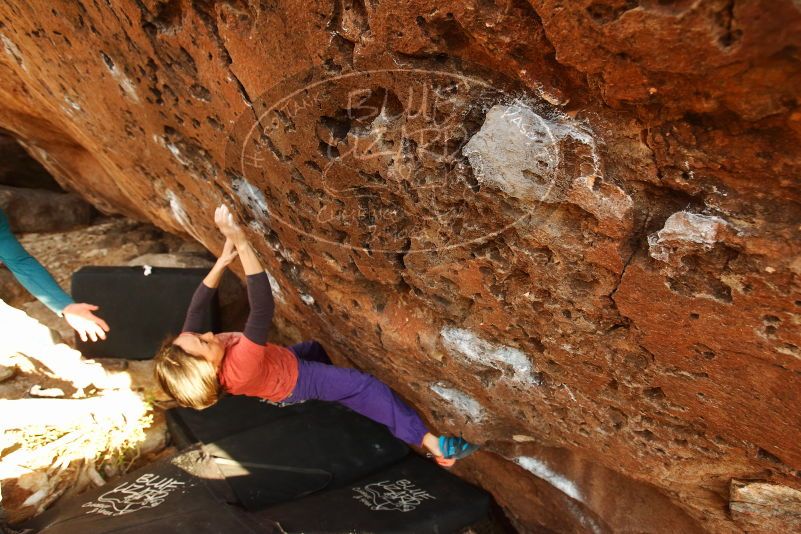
225 222
228 254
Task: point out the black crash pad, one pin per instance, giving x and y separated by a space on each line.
322 468
175 496
414 496
230 415
141 309
323 446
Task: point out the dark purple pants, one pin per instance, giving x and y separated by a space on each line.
362 393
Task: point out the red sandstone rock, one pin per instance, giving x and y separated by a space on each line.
633 301
761 507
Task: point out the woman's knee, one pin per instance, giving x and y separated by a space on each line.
319 351
310 350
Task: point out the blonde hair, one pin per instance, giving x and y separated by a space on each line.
190 380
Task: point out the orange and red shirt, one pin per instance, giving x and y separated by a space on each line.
250 365
267 371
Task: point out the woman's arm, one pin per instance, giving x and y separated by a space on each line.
228 254
262 307
207 288
260 296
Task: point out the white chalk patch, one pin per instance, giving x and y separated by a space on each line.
128 88
124 82
307 299
71 103
257 226
466 344
147 269
176 153
181 158
692 227
13 51
250 194
586 521
511 146
276 289
462 402
520 152
253 199
180 215
684 228
177 209
540 470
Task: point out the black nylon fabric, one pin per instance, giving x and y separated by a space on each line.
141 310
415 496
322 446
175 496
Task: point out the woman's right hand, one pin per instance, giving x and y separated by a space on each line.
225 222
228 254
88 325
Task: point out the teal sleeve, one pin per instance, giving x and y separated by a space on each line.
30 272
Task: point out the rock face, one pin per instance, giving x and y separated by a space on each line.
754 506
34 210
569 230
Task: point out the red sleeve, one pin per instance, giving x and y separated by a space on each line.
246 369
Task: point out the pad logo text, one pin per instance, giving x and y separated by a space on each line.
401 495
147 491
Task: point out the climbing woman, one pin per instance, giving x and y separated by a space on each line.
195 368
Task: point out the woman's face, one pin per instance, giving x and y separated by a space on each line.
205 345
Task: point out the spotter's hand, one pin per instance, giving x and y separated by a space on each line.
87 324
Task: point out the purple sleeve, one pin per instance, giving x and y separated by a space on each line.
262 306
201 301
